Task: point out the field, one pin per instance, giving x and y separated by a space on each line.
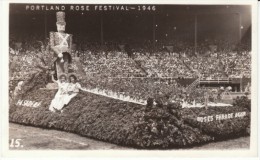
34 138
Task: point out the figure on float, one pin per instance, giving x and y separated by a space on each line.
61 44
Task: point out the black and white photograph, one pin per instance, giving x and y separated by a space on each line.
137 77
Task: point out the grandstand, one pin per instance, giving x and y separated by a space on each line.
157 62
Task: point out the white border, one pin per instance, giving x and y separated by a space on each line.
252 152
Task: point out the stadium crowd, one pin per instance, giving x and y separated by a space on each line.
143 60
133 72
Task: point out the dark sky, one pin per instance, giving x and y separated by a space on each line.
170 21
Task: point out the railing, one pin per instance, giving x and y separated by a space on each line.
226 93
216 80
115 95
193 84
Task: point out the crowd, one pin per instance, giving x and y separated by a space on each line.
165 66
221 60
213 66
221 65
113 64
26 54
140 71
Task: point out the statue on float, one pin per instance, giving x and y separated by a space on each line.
61 44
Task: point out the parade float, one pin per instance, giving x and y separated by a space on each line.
152 123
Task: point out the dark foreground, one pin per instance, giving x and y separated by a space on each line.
33 138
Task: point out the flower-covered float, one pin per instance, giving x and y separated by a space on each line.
142 113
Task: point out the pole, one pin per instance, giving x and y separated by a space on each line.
241 83
45 25
239 27
154 30
101 30
195 35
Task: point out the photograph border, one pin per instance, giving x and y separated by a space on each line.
4 32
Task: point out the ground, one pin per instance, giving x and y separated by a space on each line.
33 138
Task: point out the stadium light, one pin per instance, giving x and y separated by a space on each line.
240 26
